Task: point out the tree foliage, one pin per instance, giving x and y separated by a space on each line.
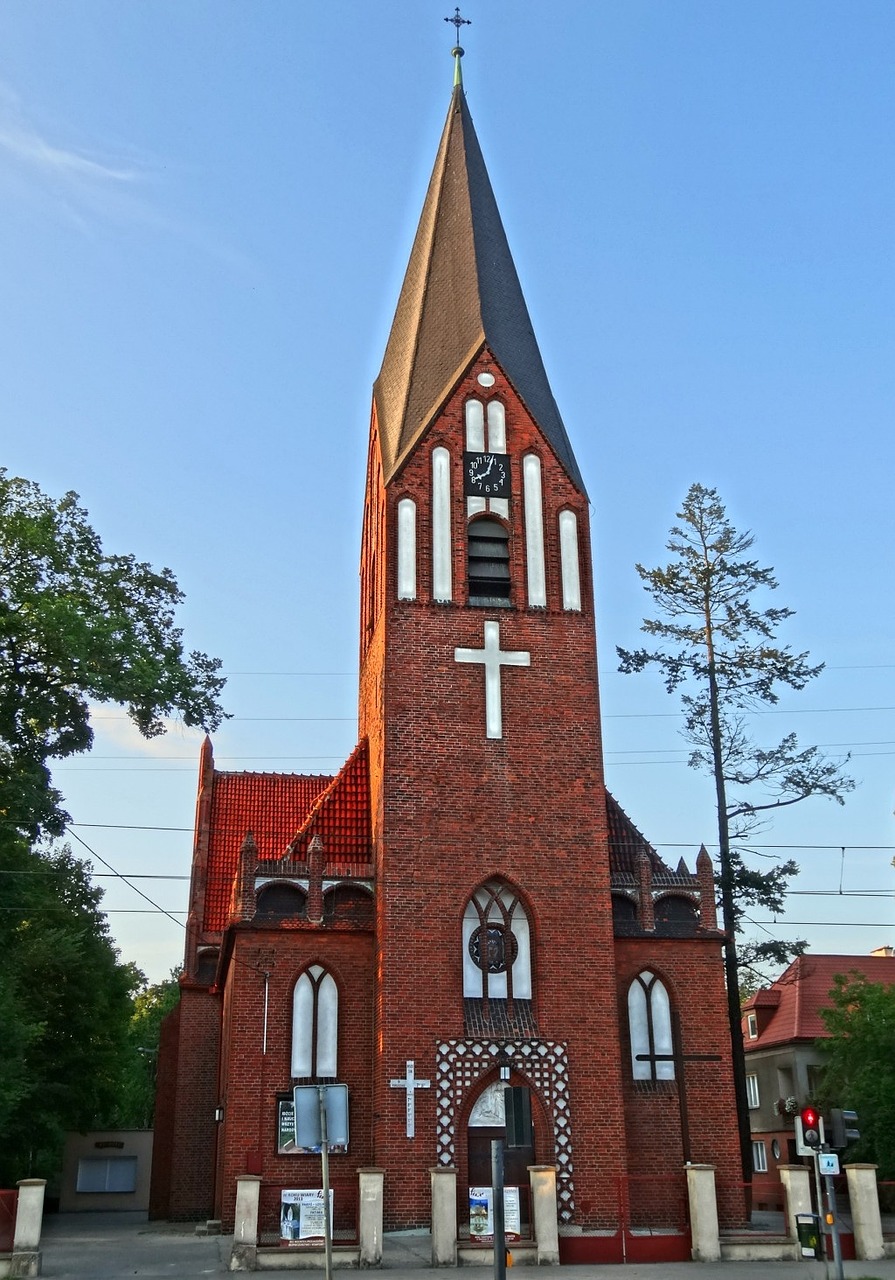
718 651
859 1064
65 1008
135 1106
78 625
716 648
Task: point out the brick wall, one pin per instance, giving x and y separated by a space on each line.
252 1078
692 973
193 1148
458 809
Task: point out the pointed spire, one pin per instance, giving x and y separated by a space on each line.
460 294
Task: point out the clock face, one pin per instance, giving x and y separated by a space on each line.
486 475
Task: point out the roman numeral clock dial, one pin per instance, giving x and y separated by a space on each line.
486 475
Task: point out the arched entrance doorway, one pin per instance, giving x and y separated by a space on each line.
487 1122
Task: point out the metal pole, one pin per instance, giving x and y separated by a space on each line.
820 1210
500 1236
324 1161
837 1245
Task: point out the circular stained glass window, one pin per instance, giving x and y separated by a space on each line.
493 948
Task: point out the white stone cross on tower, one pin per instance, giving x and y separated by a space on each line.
411 1084
493 659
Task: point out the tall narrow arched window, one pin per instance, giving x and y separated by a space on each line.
496 945
489 562
315 1025
649 1019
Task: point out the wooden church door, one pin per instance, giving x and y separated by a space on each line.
487 1124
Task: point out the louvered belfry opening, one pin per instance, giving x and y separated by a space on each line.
489 563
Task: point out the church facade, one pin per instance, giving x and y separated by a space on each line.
464 905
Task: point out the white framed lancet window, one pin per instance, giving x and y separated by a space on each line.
496 945
442 578
568 556
315 1025
649 1020
406 549
533 505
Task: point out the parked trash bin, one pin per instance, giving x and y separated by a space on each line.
808 1229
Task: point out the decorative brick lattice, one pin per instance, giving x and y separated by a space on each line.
460 1064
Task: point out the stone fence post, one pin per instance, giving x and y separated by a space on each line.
25 1259
864 1197
796 1179
703 1213
545 1218
244 1254
444 1216
370 1190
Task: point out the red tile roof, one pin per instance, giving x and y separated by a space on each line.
802 991
626 843
283 810
270 805
340 816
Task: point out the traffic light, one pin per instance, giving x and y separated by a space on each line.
844 1126
812 1127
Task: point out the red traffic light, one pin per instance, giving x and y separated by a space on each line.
810 1117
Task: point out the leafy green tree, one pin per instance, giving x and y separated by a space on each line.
135 1107
859 1064
65 1008
718 651
78 625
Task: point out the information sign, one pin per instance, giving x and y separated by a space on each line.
301 1214
828 1163
306 1098
481 1213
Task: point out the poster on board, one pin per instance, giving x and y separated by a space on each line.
286 1144
481 1213
301 1214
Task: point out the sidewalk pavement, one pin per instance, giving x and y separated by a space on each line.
118 1246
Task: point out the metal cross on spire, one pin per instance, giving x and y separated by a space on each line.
457 52
459 22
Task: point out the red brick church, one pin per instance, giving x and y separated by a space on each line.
464 904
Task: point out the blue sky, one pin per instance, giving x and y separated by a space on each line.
205 213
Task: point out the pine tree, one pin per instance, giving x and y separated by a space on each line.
718 650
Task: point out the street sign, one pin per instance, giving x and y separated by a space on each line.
828 1163
306 1100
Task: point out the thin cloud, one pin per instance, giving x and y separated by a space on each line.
87 188
36 160
114 731
27 145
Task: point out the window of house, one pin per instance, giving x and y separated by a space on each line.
496 945
785 1082
488 562
759 1158
649 1020
752 1091
315 1025
752 1026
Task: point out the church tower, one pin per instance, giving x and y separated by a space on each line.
463 906
478 696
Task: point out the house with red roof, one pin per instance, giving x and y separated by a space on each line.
782 1025
463 907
